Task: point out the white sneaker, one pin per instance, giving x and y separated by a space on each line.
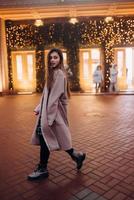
38 173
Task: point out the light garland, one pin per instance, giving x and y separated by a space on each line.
73 20
38 22
84 34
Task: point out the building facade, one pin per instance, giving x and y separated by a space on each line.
103 34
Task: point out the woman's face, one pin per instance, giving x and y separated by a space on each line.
54 59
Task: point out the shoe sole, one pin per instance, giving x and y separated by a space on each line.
37 178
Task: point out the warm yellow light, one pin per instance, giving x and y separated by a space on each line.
109 19
95 53
30 66
25 84
85 65
19 67
73 20
38 22
0 86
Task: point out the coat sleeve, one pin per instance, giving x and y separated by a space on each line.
56 91
37 108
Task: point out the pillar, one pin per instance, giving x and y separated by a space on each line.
3 59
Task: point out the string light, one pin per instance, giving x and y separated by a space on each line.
109 19
38 22
73 20
91 33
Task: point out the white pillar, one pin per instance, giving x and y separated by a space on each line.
3 59
133 67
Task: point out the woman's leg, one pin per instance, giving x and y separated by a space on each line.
78 157
41 169
115 87
44 152
111 87
96 87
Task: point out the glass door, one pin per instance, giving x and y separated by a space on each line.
24 75
89 59
124 57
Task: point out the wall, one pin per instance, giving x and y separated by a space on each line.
88 32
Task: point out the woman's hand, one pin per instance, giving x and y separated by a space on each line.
37 109
36 112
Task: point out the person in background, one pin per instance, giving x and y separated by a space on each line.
52 130
69 74
98 78
113 78
68 70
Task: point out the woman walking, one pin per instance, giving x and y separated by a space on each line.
113 78
51 130
98 78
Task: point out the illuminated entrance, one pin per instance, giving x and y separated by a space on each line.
24 76
89 59
124 57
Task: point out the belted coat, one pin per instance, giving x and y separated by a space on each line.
53 112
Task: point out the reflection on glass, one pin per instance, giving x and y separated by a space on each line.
129 73
120 63
30 66
95 54
19 67
85 65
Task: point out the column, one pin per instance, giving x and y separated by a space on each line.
3 59
132 67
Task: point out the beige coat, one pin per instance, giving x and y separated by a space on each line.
54 123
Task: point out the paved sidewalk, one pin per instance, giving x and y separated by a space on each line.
102 126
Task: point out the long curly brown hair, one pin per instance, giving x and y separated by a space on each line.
50 70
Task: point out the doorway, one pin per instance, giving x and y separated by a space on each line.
124 57
24 75
89 59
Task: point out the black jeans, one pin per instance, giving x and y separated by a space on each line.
44 152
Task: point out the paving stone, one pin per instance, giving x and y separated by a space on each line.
101 198
83 193
91 196
73 198
101 126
